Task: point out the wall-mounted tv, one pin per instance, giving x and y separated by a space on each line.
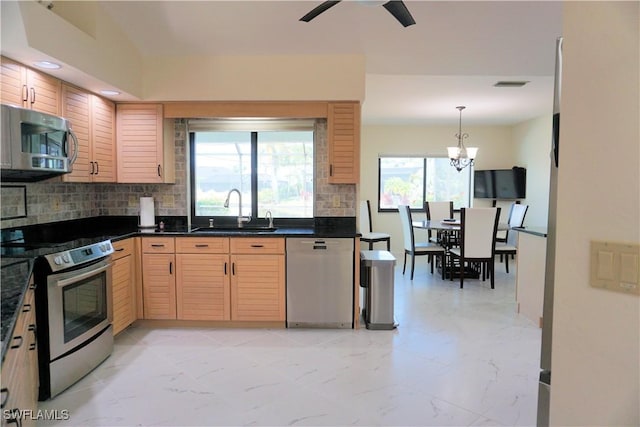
500 183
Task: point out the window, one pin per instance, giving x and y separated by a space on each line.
272 169
414 180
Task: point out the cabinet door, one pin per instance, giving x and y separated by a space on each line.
257 287
202 287
343 135
20 367
76 106
44 92
103 139
159 286
13 83
140 143
123 279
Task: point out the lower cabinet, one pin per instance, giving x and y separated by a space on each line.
202 278
20 369
214 278
158 278
124 290
258 279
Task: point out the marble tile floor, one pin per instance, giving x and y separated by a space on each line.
458 358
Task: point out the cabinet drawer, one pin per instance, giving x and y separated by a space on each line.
162 245
257 245
202 245
122 248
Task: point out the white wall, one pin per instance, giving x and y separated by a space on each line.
32 28
595 352
532 140
496 152
95 46
254 78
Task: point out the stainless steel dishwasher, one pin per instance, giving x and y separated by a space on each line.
320 282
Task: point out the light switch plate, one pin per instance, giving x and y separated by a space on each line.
616 266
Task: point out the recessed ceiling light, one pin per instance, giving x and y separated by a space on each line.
109 92
511 83
47 65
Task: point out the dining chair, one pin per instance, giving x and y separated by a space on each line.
366 229
510 247
437 211
478 227
413 249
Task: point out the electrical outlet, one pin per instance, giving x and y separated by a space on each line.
133 201
55 203
336 201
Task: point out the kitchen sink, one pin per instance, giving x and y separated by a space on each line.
223 229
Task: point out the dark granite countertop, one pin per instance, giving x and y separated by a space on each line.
14 277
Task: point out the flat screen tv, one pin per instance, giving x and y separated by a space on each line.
500 183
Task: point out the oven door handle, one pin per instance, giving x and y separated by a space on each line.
65 282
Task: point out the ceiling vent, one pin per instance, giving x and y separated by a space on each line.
511 83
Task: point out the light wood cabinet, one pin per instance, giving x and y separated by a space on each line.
20 367
93 122
202 281
103 139
158 278
145 151
29 88
76 107
343 138
124 290
216 278
258 279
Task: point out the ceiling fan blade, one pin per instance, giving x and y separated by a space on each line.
400 12
318 10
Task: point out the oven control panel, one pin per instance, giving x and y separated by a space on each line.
78 256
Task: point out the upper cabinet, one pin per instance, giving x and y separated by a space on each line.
103 138
28 88
93 122
343 137
145 153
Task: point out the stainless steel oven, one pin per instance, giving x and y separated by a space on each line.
74 315
80 306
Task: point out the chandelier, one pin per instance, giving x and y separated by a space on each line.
461 156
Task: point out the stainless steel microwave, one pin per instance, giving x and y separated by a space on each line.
35 145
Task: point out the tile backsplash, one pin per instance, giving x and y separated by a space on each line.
51 201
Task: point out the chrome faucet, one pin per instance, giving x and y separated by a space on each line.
269 216
241 219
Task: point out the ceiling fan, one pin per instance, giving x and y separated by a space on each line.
395 7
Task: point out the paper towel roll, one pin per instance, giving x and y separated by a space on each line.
147 215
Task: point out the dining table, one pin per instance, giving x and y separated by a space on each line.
447 233
445 225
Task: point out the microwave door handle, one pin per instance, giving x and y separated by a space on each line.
75 147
